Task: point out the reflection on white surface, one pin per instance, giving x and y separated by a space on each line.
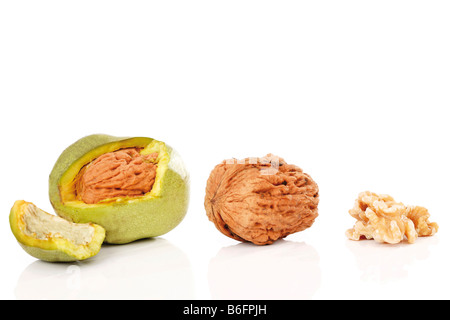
383 263
146 269
283 270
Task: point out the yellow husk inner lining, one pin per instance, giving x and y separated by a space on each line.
82 251
67 185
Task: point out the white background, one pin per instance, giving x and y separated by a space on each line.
354 92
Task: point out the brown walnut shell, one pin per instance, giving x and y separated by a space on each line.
260 199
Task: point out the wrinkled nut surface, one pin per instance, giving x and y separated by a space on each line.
260 199
381 218
120 173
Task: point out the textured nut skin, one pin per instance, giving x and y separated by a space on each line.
381 218
120 173
254 201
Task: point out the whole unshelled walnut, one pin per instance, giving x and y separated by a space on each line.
260 199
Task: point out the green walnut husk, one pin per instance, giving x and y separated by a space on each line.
125 219
51 238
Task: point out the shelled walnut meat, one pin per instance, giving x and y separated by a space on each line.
381 218
260 200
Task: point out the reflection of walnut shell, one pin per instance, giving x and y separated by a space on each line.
260 200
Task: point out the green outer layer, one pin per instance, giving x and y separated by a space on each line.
50 255
126 221
54 250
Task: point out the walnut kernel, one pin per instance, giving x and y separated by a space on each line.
381 218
